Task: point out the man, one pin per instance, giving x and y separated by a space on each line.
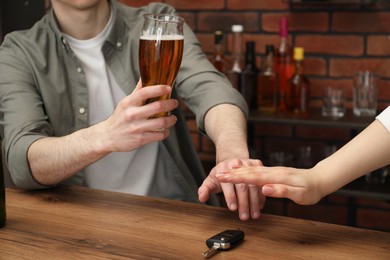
73 110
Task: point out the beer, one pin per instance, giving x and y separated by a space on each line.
159 61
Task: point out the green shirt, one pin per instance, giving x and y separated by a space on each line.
43 90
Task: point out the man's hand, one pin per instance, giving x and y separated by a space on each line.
131 127
248 199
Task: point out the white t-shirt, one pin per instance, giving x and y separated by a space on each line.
129 172
384 118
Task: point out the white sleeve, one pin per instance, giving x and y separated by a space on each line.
384 118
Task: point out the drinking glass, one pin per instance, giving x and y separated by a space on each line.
160 51
333 104
365 93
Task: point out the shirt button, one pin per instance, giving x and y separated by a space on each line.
82 110
79 70
118 44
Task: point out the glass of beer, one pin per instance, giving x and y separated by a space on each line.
160 51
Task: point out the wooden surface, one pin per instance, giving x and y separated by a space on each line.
81 223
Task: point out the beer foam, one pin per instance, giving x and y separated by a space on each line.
162 37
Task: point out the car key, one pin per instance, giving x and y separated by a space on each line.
223 241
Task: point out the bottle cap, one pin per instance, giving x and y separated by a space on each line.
237 28
218 37
298 53
283 27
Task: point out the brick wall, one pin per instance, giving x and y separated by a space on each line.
338 40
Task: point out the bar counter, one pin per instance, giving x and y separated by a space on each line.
71 222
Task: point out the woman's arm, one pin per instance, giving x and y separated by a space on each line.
368 151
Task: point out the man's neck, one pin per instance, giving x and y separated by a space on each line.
82 22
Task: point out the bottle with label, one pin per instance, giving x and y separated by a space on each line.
234 74
2 199
267 88
249 76
298 95
218 58
284 64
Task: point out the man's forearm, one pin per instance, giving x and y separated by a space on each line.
55 159
226 125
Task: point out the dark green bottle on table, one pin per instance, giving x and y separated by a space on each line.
2 199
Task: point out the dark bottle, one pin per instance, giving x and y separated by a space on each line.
267 89
234 74
249 76
218 58
297 98
284 64
2 199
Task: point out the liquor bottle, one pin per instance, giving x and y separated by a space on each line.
267 88
284 64
297 98
234 74
249 76
2 199
218 58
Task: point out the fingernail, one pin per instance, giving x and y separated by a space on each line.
255 214
233 206
244 216
268 190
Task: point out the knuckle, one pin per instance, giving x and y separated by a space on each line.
242 187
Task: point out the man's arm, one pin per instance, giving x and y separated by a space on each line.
54 159
225 124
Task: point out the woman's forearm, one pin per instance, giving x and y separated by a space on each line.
368 151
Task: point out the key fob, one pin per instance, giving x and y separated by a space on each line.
227 239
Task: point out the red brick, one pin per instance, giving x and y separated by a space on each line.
207 41
137 3
189 18
257 4
332 44
191 124
315 66
319 85
367 22
297 21
211 21
196 5
261 40
347 67
384 91
378 45
195 140
206 144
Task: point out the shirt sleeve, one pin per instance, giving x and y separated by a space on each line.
384 118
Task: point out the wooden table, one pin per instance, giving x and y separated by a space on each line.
82 223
